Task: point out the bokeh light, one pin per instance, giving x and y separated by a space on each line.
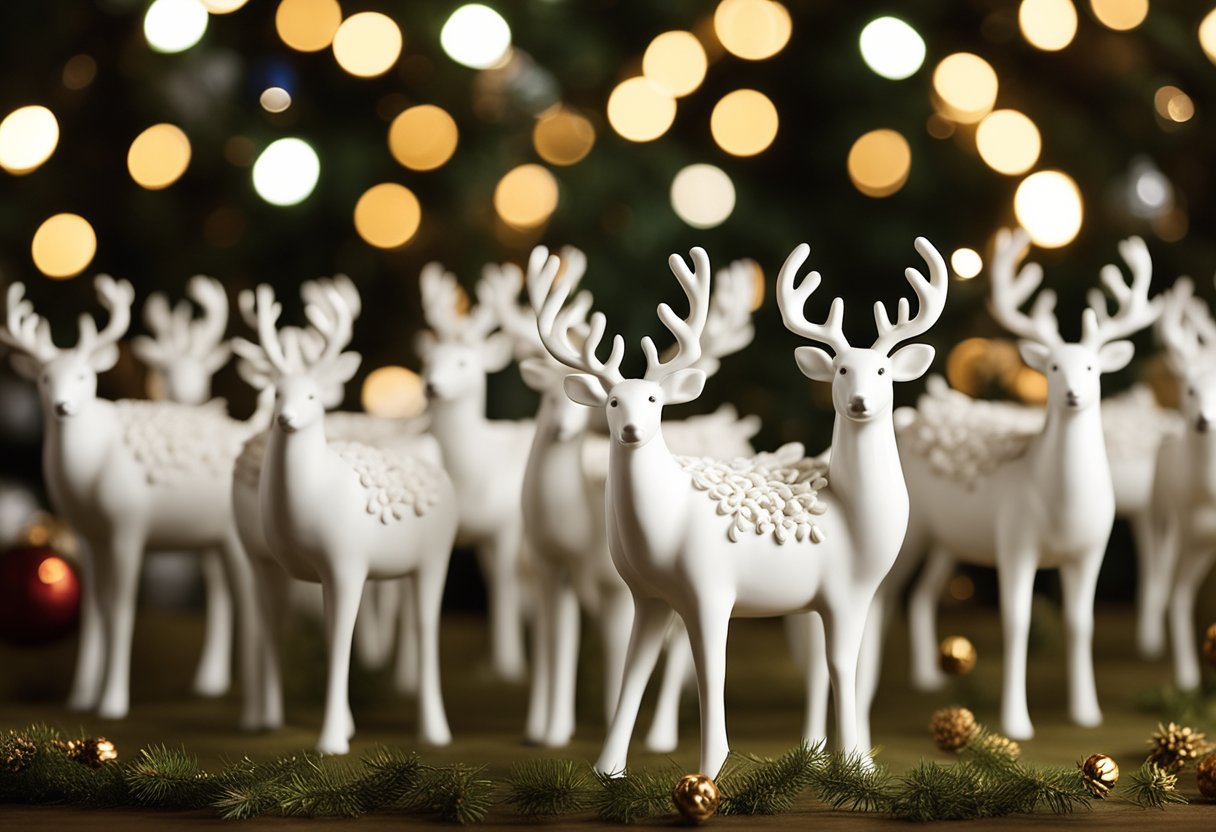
1008 142
286 172
752 29
1049 25
64 245
1173 104
641 110
175 25
28 137
159 156
966 85
1207 35
393 393
892 48
1120 15
79 71
275 99
423 137
966 263
702 195
476 36
223 6
308 25
367 44
563 137
387 215
744 122
526 197
1048 205
53 570
677 61
879 162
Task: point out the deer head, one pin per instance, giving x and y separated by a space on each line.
186 351
634 405
863 379
1073 370
1189 334
67 378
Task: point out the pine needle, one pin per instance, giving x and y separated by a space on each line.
634 795
320 787
1152 787
169 778
849 782
546 788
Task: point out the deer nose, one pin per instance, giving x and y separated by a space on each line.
1073 398
857 404
431 390
1203 423
630 433
287 421
63 409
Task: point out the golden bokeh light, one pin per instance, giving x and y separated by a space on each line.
423 137
159 156
1049 25
1120 15
752 29
387 215
526 197
52 570
640 109
1048 205
64 245
1030 386
1008 142
1207 35
1173 104
223 6
981 366
28 137
702 195
744 122
677 61
79 71
393 393
966 86
879 162
563 137
367 44
308 25
966 263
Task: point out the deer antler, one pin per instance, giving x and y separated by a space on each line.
728 328
266 311
552 323
1135 311
688 330
334 322
116 297
440 298
207 332
1010 291
930 296
26 331
1175 326
791 300
499 288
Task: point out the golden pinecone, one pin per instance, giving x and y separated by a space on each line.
93 752
1205 774
1174 746
952 728
956 656
1100 773
16 751
1000 744
696 797
1209 645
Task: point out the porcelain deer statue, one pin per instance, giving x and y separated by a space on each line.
183 353
130 476
339 513
711 540
1048 503
458 351
1184 489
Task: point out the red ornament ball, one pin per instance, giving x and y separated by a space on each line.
39 596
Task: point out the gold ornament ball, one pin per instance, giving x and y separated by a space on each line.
696 797
1206 776
956 655
1101 773
952 728
93 752
1209 645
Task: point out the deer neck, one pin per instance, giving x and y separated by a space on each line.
293 474
648 495
549 448
867 480
76 449
1201 453
1068 460
458 425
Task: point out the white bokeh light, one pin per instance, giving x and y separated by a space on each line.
892 48
175 25
703 196
286 172
966 263
476 36
1048 205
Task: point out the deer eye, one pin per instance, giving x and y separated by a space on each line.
311 396
881 370
844 371
1191 391
652 398
80 376
1089 367
612 403
1055 367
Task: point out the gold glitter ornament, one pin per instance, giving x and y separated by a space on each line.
696 797
1209 645
16 752
93 752
1100 773
1205 776
1173 746
952 728
956 655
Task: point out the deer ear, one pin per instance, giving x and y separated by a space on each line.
815 363
585 389
1034 354
911 362
424 343
104 358
536 373
683 385
25 366
1115 355
497 352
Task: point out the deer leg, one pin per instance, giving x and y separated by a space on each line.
616 620
1015 573
213 676
1192 568
118 567
650 620
843 631
814 665
427 600
372 644
248 620
869 666
342 590
1077 582
500 564
563 664
405 665
664 734
539 703
708 627
922 619
91 651
273 588
1157 559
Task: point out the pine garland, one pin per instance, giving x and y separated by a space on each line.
1152 787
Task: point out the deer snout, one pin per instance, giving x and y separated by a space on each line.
64 409
431 390
1073 398
858 405
630 433
1203 423
287 421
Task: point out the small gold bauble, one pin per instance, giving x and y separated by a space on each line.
952 728
93 752
1100 773
1205 774
956 655
1209 645
16 752
696 797
1173 746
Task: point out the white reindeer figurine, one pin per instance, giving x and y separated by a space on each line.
1048 503
711 540
1184 489
339 513
130 476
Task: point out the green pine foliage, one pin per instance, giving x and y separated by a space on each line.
547 788
756 786
1152 787
635 795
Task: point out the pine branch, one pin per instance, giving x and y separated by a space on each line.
169 778
847 782
545 788
455 793
320 787
1151 786
931 791
634 795
392 775
248 789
